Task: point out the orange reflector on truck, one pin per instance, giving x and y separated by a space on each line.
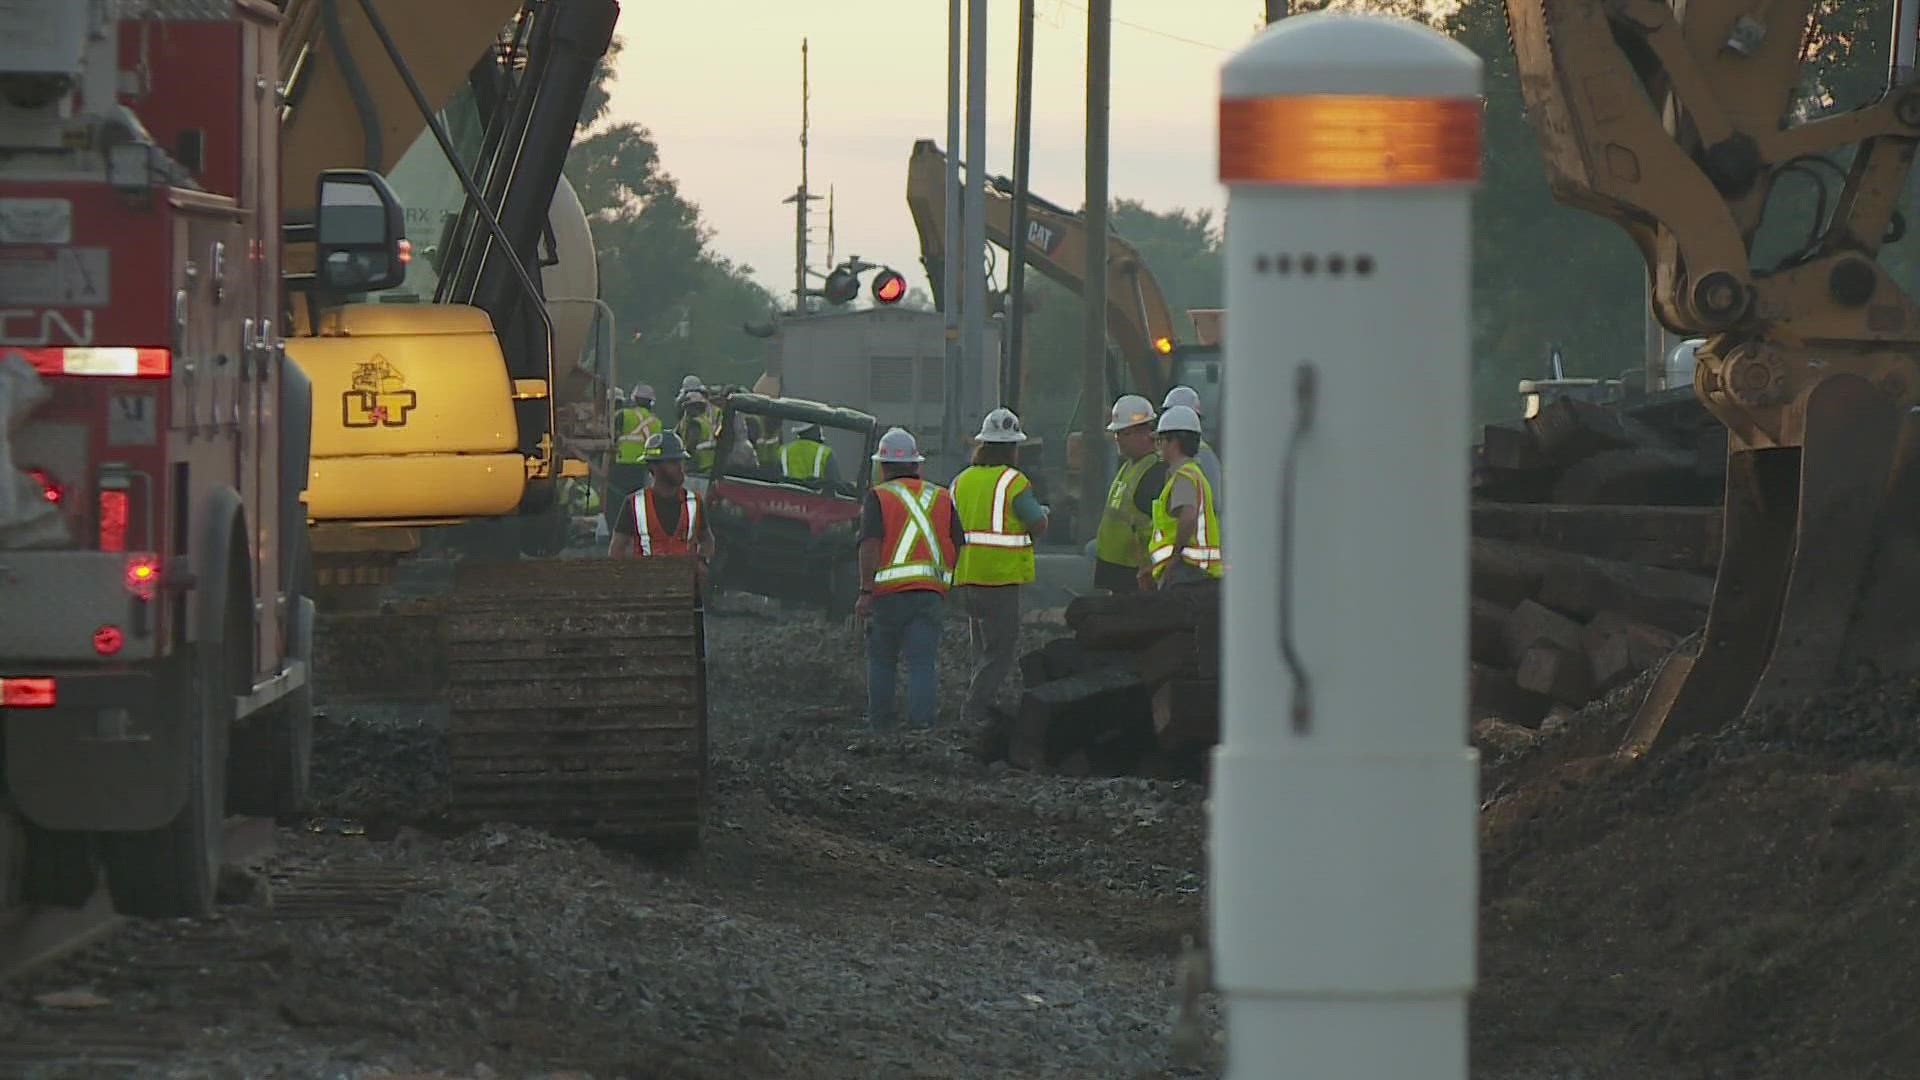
117 362
26 693
1349 140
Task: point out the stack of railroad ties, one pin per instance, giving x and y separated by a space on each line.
1135 689
1596 532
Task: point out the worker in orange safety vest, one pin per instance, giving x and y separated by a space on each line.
665 517
910 540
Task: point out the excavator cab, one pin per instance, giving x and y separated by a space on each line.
1668 121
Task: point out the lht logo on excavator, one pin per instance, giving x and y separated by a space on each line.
379 397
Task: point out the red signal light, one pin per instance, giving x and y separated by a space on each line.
889 287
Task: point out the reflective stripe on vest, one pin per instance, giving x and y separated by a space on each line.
802 469
644 522
632 447
996 533
999 549
901 567
1203 552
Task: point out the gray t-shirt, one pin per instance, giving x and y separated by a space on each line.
1210 468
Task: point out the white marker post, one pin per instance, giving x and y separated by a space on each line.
1343 847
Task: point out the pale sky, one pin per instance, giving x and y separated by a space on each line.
718 84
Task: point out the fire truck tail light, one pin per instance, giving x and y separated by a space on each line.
113 520
26 694
50 488
113 362
143 575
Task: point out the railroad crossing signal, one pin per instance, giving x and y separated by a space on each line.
843 283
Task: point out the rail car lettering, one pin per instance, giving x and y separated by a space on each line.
33 327
378 398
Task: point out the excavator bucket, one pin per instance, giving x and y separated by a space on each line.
1818 569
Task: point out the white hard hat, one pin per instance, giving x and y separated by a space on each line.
1001 426
898 448
1182 395
641 391
1131 410
691 382
1179 418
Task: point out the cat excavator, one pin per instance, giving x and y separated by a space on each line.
454 402
1139 322
1675 122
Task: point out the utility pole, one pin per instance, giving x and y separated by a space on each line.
831 262
973 227
950 285
1093 372
1017 251
802 196
1276 10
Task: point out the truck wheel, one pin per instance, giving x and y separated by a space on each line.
170 872
59 868
269 770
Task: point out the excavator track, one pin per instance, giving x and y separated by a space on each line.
577 698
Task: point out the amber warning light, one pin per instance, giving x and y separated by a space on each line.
1349 140
143 575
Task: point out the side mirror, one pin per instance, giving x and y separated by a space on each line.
360 233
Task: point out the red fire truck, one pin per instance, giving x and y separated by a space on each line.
154 632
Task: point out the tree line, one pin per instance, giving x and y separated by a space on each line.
1543 274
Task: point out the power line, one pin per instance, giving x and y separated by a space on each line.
1147 29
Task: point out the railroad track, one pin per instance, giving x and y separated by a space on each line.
32 937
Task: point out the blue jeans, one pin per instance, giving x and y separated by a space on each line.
904 625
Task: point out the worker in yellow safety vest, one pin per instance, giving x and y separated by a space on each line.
1207 458
1126 522
1185 548
633 424
1000 517
698 430
808 457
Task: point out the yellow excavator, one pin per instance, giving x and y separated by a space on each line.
1139 322
455 400
1672 121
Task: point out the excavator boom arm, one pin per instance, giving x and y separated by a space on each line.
1138 319
1675 122
346 105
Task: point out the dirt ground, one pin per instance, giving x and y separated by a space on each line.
1745 906
865 906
